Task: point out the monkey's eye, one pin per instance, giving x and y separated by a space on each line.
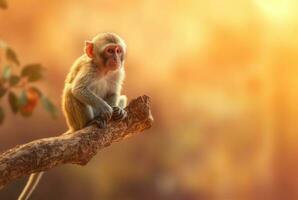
110 50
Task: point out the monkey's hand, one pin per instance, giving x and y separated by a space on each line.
118 113
104 115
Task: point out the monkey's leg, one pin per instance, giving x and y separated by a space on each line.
118 103
98 119
30 186
122 102
77 114
118 112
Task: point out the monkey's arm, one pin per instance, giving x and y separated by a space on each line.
112 99
81 91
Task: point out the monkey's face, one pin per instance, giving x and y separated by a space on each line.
107 51
112 57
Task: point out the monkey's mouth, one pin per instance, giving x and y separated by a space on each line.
113 64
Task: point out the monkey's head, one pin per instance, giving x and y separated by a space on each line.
107 50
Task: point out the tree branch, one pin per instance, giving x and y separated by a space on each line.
76 148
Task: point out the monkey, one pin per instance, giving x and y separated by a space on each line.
93 85
92 91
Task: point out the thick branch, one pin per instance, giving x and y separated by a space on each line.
76 148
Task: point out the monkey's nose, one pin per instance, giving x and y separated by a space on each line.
118 49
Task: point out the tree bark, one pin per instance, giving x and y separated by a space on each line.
76 148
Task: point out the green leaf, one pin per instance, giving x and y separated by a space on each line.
2 116
33 72
23 98
6 72
49 106
2 90
3 4
12 56
14 80
13 102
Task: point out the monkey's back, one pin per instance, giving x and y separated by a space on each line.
67 98
76 67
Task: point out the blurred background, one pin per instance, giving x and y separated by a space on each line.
222 75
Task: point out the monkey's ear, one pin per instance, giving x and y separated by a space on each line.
89 49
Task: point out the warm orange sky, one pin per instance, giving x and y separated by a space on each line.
222 75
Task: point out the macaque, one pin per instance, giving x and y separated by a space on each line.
92 92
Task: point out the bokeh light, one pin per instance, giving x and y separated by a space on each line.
222 75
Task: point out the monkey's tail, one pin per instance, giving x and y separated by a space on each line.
30 186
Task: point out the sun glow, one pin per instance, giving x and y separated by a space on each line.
277 9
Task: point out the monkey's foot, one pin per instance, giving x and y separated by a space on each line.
99 122
118 114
